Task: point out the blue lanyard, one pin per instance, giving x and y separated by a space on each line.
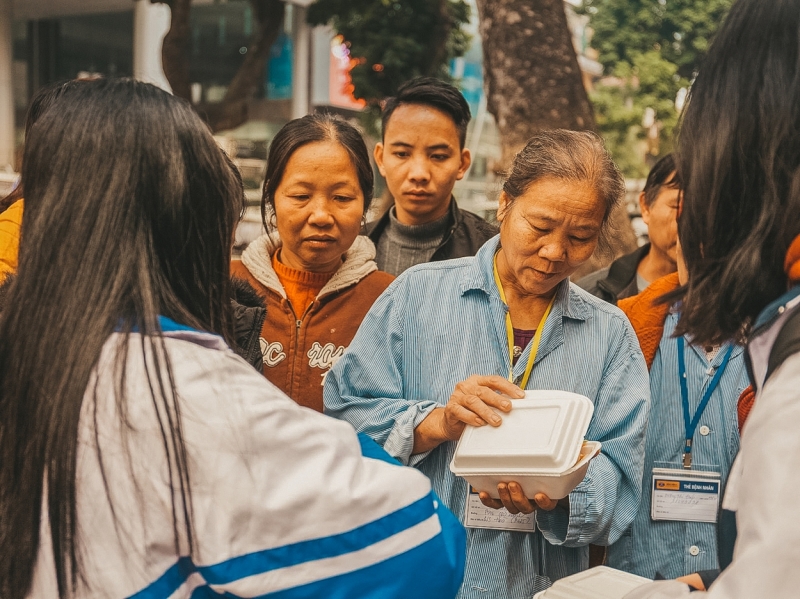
691 423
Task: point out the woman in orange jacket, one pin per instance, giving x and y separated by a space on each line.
316 274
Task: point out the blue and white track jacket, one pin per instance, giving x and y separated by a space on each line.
284 503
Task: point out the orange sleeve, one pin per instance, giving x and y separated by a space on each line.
647 316
746 401
10 224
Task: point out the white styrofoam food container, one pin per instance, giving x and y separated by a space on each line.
537 445
601 582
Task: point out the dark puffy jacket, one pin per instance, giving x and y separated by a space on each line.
467 233
617 281
249 312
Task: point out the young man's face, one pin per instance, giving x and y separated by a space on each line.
421 159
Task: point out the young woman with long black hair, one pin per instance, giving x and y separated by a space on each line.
739 159
139 456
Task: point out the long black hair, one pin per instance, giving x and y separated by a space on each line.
130 212
739 160
39 104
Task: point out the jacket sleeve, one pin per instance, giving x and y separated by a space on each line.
291 504
365 387
605 503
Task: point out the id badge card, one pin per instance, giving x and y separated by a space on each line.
685 495
477 515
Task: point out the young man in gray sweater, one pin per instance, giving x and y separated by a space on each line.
422 155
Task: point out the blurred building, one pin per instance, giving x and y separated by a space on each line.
44 41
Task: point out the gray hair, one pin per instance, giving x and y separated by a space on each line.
571 156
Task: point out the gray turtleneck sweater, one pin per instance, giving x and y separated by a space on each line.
402 246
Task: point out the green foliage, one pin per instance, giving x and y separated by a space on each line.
680 30
651 48
620 105
395 40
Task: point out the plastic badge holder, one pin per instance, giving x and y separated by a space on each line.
537 446
601 582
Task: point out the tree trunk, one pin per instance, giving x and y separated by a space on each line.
533 82
232 111
441 34
531 70
175 48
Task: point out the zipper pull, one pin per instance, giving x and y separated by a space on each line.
298 323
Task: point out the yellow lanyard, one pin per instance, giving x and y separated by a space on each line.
537 337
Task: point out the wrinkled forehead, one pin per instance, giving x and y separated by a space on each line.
562 201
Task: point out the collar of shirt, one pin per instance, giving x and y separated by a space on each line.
480 276
765 332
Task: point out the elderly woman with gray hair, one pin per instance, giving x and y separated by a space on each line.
433 355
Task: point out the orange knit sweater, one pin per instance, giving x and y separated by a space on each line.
647 316
301 286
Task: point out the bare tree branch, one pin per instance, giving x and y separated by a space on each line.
232 111
175 48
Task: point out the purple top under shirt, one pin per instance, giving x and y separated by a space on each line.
521 339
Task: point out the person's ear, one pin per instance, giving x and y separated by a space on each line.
644 208
378 154
466 160
503 205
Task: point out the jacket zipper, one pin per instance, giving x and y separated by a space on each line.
299 321
297 354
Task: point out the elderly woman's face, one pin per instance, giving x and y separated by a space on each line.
318 207
548 232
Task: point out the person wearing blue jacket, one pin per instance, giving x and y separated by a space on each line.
453 343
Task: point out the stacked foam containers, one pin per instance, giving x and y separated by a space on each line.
537 446
598 583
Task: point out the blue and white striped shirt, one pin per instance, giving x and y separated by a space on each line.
442 322
665 547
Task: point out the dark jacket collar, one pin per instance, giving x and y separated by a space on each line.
375 229
623 271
